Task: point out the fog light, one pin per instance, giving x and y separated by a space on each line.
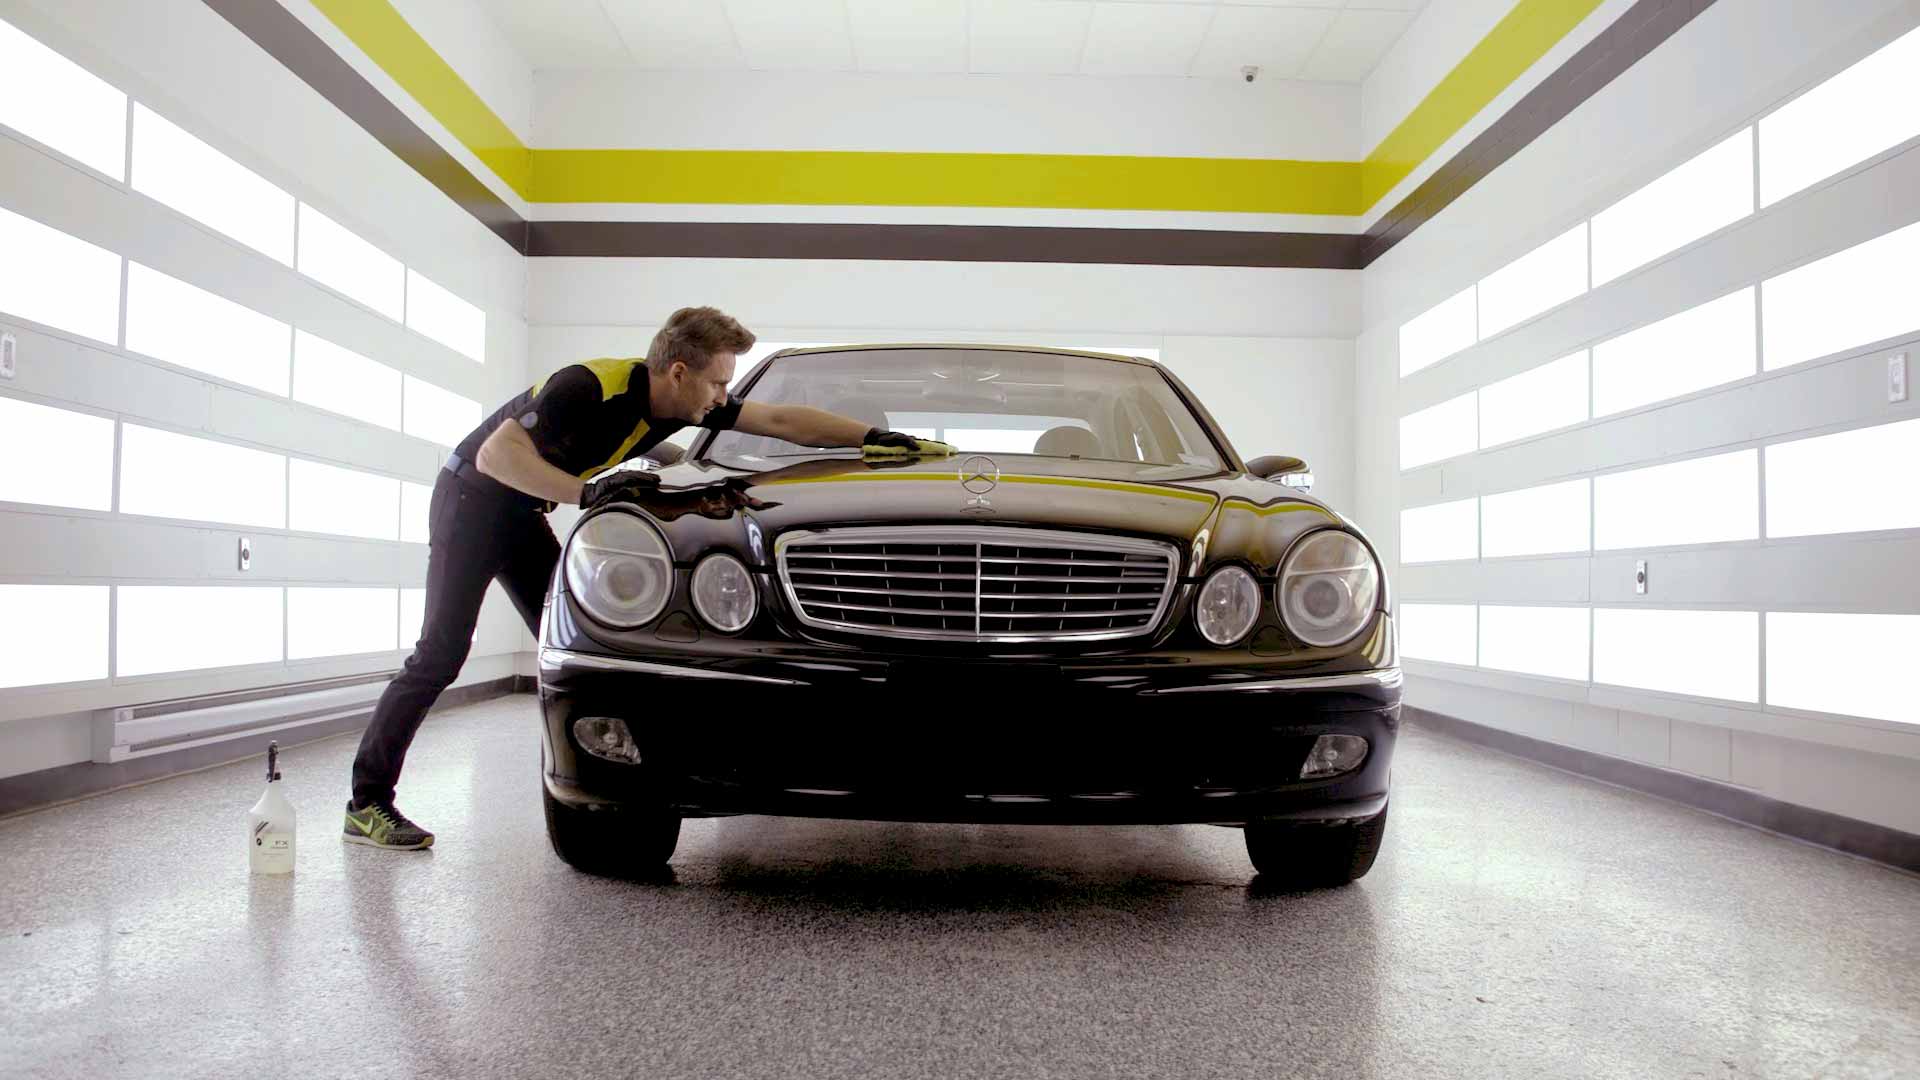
1332 755
723 593
606 737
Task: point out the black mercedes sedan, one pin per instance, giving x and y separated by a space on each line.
1095 613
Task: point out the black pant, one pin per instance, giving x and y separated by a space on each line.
477 532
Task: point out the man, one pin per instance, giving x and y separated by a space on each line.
486 519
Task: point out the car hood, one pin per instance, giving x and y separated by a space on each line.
1176 502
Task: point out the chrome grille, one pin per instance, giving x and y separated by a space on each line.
960 583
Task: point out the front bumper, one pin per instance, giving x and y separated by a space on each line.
1137 741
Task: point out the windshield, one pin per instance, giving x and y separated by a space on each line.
983 400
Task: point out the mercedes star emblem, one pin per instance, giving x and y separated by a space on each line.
979 475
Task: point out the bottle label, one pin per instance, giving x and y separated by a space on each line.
271 852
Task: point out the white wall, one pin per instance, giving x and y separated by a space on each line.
1731 64
185 62
468 39
1128 300
1268 350
1005 114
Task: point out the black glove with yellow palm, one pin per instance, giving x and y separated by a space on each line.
882 443
621 484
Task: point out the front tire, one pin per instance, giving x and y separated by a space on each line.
1305 855
624 841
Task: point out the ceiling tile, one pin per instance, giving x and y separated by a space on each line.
559 33
1145 39
1356 43
909 35
674 34
1277 40
1030 37
1208 38
792 35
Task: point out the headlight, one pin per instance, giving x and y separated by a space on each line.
619 569
723 593
1228 605
1327 589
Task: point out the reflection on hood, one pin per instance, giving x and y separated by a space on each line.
717 500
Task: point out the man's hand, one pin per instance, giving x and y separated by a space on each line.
882 443
615 486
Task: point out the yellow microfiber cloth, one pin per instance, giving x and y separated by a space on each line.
924 448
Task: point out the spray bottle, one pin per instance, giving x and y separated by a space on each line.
271 824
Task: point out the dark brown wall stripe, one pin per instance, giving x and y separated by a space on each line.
944 243
1633 35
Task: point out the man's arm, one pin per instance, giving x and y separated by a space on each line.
509 456
802 425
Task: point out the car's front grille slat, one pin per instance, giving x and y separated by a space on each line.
865 591
882 574
1131 612
1090 596
1139 579
982 583
838 555
939 612
1070 563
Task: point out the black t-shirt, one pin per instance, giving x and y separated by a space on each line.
588 417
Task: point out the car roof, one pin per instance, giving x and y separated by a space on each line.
970 346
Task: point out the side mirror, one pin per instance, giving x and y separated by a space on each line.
1266 468
1282 469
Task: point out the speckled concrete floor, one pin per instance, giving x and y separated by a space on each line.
1519 923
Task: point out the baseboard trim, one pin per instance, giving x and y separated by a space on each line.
66 783
1878 843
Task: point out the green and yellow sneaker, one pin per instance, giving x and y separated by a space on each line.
382 825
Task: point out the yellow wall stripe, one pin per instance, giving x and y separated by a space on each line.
1051 181
1514 45
845 178
389 41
